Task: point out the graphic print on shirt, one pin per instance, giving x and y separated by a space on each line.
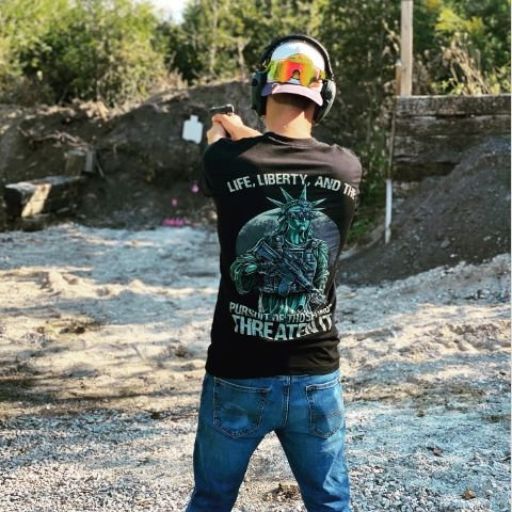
284 255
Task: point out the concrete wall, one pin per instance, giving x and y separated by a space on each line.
433 132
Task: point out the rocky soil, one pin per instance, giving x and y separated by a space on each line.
103 337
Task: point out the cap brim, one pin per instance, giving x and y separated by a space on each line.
277 88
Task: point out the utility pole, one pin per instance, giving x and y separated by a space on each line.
406 37
403 80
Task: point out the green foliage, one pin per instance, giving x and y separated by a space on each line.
115 49
363 39
224 38
93 49
462 46
22 24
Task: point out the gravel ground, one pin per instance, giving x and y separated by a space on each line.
103 335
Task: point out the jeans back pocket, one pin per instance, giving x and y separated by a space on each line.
238 410
325 403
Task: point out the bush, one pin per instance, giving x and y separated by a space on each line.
462 47
93 50
22 24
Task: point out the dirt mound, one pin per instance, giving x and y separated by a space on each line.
150 171
464 216
145 171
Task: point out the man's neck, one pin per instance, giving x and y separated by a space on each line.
292 125
291 129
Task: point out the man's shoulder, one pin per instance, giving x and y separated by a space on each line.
346 153
227 148
226 143
341 154
348 164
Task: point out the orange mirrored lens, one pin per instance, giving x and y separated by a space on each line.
298 67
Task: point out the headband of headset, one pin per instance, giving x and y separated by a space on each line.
259 77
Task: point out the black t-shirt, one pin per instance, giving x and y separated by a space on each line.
284 207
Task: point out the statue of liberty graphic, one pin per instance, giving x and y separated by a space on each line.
289 267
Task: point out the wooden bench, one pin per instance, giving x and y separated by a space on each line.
52 194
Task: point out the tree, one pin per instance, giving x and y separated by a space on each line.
224 38
463 47
22 24
363 39
92 49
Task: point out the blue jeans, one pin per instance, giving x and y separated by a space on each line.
307 414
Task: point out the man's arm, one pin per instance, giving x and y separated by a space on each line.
229 124
223 126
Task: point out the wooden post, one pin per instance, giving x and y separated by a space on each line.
406 36
403 82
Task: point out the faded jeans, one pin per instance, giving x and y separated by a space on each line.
307 414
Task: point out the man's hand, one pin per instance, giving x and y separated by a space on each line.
215 133
234 126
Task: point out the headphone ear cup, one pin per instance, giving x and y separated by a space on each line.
328 94
258 81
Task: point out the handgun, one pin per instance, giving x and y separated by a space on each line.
228 109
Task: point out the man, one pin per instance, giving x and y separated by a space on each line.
284 202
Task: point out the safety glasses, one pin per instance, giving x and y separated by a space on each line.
298 67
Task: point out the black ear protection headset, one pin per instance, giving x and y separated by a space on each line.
259 77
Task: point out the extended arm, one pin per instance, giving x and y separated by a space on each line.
232 125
